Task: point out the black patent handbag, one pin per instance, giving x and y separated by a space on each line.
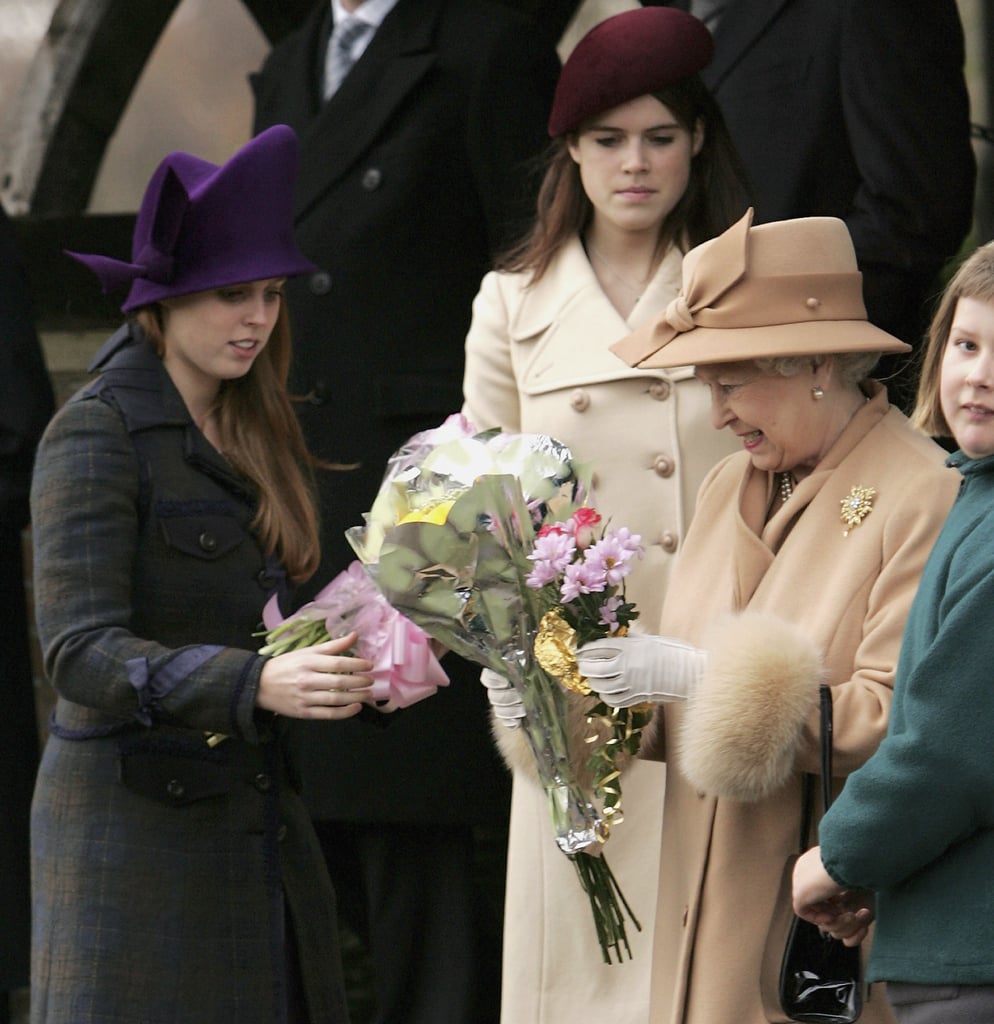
808 975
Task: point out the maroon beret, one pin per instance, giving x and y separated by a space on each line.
628 55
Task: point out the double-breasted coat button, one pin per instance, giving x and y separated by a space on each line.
263 782
663 465
207 542
659 390
265 579
319 283
175 789
372 179
281 833
580 400
669 541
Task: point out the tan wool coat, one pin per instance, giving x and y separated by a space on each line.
779 606
537 360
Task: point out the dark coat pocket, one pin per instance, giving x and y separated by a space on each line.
203 535
171 778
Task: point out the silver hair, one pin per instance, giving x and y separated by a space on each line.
850 367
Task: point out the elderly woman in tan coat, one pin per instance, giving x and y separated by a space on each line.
799 567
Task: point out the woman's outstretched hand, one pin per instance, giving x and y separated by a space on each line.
316 682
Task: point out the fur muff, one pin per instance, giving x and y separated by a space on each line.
742 728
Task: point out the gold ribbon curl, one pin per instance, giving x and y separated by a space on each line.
615 732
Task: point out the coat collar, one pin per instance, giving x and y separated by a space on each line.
395 62
756 540
570 279
143 390
967 466
865 419
144 393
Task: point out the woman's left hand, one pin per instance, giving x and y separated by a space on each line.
319 682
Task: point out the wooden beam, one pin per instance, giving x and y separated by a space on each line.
73 95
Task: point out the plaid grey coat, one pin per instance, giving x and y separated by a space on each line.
164 870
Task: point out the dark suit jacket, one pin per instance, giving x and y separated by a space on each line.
411 177
25 406
855 109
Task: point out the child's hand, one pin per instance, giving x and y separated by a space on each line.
845 914
846 917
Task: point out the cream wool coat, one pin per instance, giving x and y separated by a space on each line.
754 726
537 360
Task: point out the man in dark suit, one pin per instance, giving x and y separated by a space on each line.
413 174
26 403
855 109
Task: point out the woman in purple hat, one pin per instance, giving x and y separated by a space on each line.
640 170
176 876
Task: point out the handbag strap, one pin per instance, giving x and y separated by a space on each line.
808 780
825 695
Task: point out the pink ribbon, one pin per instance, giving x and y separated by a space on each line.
405 668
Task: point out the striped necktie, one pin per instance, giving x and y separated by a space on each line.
340 49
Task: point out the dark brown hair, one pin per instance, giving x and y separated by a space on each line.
717 193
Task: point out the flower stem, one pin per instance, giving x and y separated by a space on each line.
608 904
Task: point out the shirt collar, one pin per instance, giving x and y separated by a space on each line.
372 12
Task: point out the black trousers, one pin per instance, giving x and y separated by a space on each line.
428 903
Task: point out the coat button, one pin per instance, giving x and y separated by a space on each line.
669 541
580 400
372 179
175 789
659 390
265 579
263 782
207 542
281 833
319 283
663 466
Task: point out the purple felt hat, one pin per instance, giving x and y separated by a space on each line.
205 226
628 55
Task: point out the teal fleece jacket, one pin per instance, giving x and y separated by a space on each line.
916 822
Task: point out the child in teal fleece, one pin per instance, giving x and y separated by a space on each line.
911 837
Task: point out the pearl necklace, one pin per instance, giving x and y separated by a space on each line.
786 486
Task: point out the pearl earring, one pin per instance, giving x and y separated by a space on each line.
817 393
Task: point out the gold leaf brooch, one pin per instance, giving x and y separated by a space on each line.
856 506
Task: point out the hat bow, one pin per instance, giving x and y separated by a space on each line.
724 268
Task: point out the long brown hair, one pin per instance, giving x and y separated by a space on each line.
261 437
717 193
973 280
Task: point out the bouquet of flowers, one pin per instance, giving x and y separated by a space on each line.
484 541
405 668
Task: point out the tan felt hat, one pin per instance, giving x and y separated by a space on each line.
787 288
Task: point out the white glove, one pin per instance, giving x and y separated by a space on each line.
504 698
641 668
